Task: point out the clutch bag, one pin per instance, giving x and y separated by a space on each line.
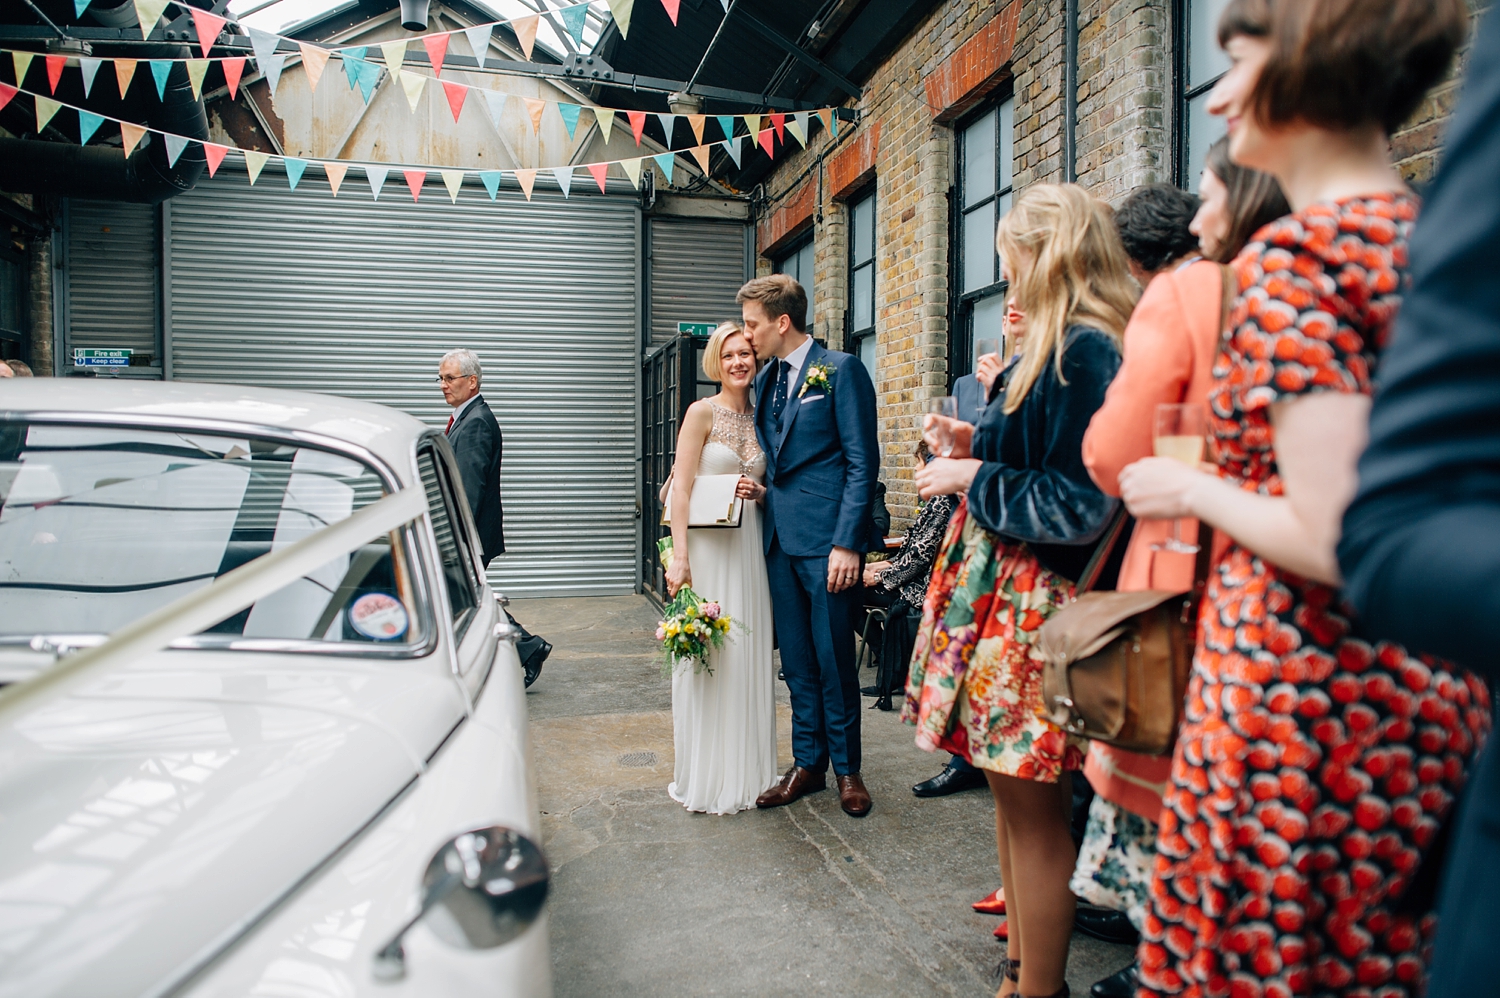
712 504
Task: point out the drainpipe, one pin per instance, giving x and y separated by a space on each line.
1070 90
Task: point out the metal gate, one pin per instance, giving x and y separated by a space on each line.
697 267
298 289
111 286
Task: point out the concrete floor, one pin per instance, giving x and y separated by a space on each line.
649 899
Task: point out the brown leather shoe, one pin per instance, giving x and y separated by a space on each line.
853 797
794 784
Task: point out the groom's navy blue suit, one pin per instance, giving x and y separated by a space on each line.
821 469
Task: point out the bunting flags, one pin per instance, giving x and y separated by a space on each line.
496 101
601 173
491 181
196 70
752 123
55 64
668 125
525 30
455 92
175 144
45 109
335 173
90 69
394 54
414 181
160 69
637 124
573 19
726 124
22 62
255 162
700 153
437 49
233 70
665 161
362 74
6 93
564 175
79 6
620 10
453 180
732 146
294 169
130 136
271 70
314 58
534 108
569 114
672 7
798 127
207 27
124 72
632 168
263 44
778 122
767 142
148 12
214 153
353 59
479 41
527 180
376 176
413 83
696 121
88 124
605 119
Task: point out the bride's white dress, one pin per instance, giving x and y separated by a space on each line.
724 724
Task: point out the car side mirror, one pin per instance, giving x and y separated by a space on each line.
482 889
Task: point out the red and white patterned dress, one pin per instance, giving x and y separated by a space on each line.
1313 768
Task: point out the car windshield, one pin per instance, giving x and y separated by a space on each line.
100 525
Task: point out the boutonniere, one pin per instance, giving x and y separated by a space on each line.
817 377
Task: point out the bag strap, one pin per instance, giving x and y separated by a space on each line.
1204 563
1092 570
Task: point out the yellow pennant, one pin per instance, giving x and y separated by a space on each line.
255 162
395 55
527 180
124 72
535 109
22 62
632 168
621 10
196 68
700 153
413 83
606 118
752 122
130 136
46 107
148 12
525 28
314 59
453 180
795 127
335 173
697 120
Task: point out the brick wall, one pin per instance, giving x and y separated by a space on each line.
1124 95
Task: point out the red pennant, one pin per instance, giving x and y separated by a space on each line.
778 121
637 123
767 143
437 48
415 178
6 93
456 93
672 7
209 26
55 64
600 172
233 70
214 153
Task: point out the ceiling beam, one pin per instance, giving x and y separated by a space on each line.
802 55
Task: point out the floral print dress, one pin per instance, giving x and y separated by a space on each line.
1313 769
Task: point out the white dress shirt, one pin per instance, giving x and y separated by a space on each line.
458 410
794 361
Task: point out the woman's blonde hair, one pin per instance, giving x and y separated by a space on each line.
1067 267
714 352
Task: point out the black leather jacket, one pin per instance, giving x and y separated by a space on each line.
1033 486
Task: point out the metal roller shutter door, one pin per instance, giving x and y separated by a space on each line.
111 271
359 298
697 267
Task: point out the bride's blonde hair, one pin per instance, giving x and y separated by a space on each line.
713 352
1067 267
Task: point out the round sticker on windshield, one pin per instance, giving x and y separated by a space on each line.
379 616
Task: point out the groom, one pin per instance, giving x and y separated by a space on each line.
815 418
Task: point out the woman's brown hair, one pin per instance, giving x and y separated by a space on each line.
1344 64
1255 200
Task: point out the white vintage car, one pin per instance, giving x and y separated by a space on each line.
263 728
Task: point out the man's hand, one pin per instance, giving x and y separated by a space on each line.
843 569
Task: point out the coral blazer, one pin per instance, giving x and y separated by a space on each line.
1170 345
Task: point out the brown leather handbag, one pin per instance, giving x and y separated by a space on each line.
1117 664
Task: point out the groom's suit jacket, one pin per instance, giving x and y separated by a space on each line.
822 467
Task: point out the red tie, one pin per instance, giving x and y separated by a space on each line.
450 426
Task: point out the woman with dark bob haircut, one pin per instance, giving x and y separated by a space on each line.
1314 769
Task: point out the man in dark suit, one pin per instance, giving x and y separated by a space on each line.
475 437
1421 544
815 419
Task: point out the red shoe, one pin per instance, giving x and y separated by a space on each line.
1002 931
993 904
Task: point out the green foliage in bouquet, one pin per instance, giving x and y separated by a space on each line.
691 626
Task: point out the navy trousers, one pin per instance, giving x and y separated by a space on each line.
1468 930
815 629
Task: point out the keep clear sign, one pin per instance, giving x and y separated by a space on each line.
100 358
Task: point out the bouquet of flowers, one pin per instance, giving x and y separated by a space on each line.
691 627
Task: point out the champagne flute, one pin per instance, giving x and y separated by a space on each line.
987 345
939 432
1180 432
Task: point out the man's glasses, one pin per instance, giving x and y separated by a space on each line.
448 379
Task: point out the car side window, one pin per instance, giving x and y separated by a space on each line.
458 566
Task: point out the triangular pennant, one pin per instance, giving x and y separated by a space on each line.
254 163
601 173
124 72
263 45
7 92
605 118
637 124
834 117
534 108
666 161
456 92
160 69
414 181
88 124
798 127
768 142
525 29
196 70
79 6
668 125
569 114
369 75
479 42
22 62
314 58
491 181
55 64
175 144
825 115
496 101
696 121
395 55
632 168
214 153
294 170
453 180
376 176
46 107
527 180
413 83
148 12
620 10
90 69
778 122
564 175
335 173
752 123
437 50
353 59
271 70
130 137
732 146
700 153
672 7
208 27
726 124
574 18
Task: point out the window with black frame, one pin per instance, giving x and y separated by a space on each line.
1200 64
861 314
798 265
986 153
12 302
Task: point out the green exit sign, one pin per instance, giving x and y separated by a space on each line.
100 358
697 328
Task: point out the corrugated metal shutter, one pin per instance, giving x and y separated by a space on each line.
113 284
697 267
359 298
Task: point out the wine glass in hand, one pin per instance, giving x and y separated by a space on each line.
938 432
1181 433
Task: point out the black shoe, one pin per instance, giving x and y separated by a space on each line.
1104 924
533 664
949 781
1120 984
874 691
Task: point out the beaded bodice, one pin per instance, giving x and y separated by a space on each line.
735 431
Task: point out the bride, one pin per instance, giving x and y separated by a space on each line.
724 723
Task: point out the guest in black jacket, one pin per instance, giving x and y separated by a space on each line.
1421 544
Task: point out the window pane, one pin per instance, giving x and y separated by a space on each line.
1007 142
1205 59
979 248
864 297
1203 131
979 159
862 231
805 276
460 594
866 353
989 318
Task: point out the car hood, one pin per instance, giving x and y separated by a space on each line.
148 817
